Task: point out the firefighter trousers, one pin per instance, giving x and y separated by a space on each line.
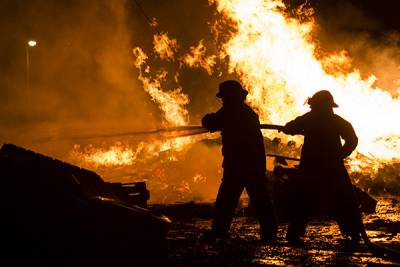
228 196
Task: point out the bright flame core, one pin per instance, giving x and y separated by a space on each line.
277 62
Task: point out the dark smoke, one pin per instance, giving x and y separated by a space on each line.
81 72
368 31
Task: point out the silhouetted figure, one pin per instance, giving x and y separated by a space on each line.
323 183
244 161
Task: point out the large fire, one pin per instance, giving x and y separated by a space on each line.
280 64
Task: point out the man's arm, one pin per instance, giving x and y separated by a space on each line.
213 121
295 126
349 136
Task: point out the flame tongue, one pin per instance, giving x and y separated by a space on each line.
275 58
172 103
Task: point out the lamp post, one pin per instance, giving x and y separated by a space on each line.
31 43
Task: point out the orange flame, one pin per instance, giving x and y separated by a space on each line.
120 154
170 102
197 58
276 60
164 46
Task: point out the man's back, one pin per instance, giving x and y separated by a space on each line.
242 141
322 137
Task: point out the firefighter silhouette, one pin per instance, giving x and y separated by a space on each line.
244 163
323 183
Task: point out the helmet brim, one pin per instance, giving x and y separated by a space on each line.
309 101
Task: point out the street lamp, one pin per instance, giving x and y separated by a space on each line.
31 43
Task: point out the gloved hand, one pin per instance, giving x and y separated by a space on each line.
209 122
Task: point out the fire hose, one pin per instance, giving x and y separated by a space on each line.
377 249
191 130
178 131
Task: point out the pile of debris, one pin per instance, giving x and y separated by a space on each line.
57 214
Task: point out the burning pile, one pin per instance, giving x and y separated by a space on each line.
275 57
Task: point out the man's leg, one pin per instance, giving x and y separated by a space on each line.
299 209
296 229
265 212
348 217
227 199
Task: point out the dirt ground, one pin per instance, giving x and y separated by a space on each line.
323 243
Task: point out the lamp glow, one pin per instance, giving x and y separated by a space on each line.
32 43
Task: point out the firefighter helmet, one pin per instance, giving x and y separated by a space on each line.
231 88
322 98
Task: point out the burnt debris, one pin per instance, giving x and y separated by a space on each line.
57 214
134 193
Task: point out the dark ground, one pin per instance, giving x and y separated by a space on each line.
323 243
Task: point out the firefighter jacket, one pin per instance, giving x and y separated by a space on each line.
322 138
242 140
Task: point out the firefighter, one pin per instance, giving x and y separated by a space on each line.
323 183
244 163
